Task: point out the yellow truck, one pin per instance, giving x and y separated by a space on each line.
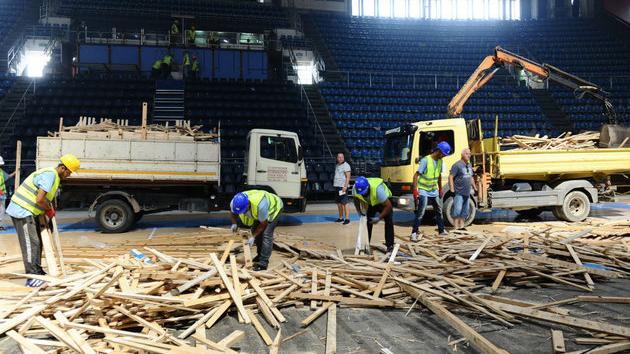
527 181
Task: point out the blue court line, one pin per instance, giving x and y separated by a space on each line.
400 216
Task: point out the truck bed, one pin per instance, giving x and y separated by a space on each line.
151 160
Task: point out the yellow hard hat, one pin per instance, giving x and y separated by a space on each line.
71 162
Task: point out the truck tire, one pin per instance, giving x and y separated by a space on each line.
575 207
529 213
115 216
447 210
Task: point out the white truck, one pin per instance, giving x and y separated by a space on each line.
125 175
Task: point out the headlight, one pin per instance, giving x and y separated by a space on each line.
402 201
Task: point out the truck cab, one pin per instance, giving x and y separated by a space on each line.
275 163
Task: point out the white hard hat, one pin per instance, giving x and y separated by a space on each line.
1 161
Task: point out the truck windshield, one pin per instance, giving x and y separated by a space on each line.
278 148
398 148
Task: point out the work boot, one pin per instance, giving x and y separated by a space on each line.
339 220
443 233
346 222
256 259
259 268
414 237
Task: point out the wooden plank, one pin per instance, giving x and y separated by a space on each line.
18 164
381 282
313 316
564 319
226 253
568 265
498 280
576 236
26 344
577 261
313 287
275 346
200 322
557 341
58 333
218 313
237 283
22 301
331 330
481 247
57 243
226 281
14 321
247 254
261 293
259 328
611 348
232 338
476 339
343 300
49 252
189 284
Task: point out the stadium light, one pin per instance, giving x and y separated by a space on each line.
35 63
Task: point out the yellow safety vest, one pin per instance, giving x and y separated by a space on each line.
374 183
191 35
255 197
186 59
3 186
428 181
168 59
174 28
157 64
26 194
195 65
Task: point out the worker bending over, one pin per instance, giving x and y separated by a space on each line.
259 210
32 199
372 194
427 187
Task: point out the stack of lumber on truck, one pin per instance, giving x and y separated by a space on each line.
89 127
115 303
565 141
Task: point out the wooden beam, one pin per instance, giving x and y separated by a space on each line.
577 261
313 316
226 281
259 328
557 341
331 330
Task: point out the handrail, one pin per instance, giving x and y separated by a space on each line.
22 99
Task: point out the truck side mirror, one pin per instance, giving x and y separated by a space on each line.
300 154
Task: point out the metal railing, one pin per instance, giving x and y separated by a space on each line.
21 104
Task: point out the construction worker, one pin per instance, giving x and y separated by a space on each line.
4 177
373 194
461 182
174 32
167 65
259 210
156 68
191 36
196 69
186 62
427 187
32 199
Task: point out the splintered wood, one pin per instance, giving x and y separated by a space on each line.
565 141
109 301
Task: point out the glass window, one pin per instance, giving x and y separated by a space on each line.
278 148
385 8
414 8
516 10
356 10
368 8
397 150
400 8
429 141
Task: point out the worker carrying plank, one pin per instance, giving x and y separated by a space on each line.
372 195
427 187
34 198
260 210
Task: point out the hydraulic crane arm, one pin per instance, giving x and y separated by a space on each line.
505 59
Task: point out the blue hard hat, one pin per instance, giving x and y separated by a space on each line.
444 147
239 203
361 185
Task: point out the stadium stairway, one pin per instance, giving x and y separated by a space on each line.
312 32
13 105
329 130
552 110
27 18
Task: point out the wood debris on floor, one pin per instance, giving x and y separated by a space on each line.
111 301
565 141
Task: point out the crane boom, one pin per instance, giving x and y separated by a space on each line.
505 59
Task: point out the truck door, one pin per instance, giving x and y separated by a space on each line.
277 164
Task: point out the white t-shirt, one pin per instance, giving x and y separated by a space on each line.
340 174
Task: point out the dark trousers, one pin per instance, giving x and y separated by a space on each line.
28 232
264 242
389 224
423 201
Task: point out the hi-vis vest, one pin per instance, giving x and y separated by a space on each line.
3 186
26 194
255 197
195 65
157 64
168 59
186 59
374 183
428 181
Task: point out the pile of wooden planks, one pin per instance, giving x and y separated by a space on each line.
565 141
109 303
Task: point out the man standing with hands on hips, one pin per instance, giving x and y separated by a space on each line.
342 178
32 199
461 182
427 185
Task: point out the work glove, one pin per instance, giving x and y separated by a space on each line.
234 228
250 241
416 193
50 213
375 219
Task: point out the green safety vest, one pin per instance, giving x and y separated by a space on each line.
374 183
3 186
255 197
428 181
174 28
191 35
26 194
157 64
186 59
168 59
195 65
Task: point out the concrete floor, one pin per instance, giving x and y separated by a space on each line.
364 330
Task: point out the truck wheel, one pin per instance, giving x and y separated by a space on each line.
448 212
575 207
114 216
529 213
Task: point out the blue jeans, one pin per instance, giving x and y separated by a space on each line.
460 206
264 242
436 202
